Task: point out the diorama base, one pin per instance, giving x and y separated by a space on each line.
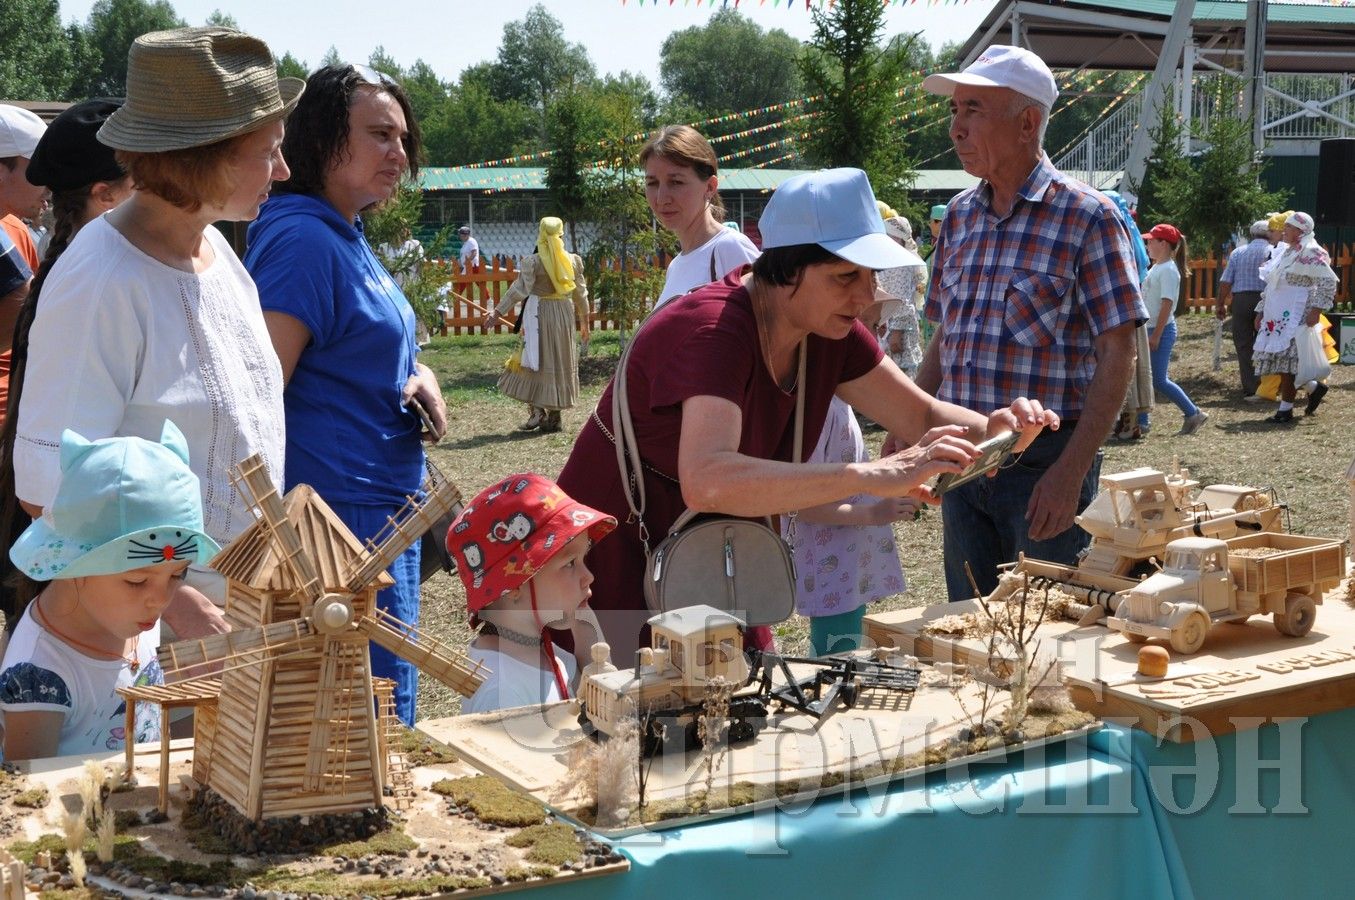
1246 674
441 845
885 737
286 835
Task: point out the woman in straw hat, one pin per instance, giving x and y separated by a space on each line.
343 330
544 371
149 315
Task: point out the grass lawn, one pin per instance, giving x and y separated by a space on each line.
1305 462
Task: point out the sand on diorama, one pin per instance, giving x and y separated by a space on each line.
460 833
886 736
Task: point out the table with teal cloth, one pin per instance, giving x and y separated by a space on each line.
1111 815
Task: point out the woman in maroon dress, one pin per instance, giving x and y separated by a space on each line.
711 389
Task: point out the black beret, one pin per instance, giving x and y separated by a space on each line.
69 156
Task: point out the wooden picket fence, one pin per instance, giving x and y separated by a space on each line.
1204 279
485 286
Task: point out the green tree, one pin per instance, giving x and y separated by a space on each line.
291 67
112 27
729 64
473 127
857 79
39 58
1218 192
388 226
574 126
535 60
223 19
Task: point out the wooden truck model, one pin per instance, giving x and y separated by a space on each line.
1132 519
1206 580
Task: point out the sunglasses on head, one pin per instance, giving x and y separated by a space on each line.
372 76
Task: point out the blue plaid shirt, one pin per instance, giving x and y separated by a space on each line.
1023 297
1243 271
14 271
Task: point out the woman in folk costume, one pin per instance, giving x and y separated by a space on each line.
544 372
1300 284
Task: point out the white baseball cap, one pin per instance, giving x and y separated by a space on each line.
1001 66
834 208
20 131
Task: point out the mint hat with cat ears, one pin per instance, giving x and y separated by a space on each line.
123 503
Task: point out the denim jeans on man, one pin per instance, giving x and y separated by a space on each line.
1163 385
984 521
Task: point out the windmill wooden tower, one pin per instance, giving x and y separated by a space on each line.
294 730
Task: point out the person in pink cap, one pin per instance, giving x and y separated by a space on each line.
520 549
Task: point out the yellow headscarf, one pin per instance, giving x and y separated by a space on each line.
551 248
1276 220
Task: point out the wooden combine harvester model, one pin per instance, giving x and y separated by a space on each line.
1132 519
294 730
690 647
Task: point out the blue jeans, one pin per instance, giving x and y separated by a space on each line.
401 601
984 520
1162 358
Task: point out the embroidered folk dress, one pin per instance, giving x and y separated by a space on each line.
1298 280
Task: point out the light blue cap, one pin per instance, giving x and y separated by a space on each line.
834 208
123 503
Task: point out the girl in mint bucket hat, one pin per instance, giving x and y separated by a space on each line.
113 546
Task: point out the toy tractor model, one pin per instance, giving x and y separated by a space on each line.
1206 580
665 693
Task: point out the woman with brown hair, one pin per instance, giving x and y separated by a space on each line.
681 186
149 315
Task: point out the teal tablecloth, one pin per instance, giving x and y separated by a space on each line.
1049 823
1266 812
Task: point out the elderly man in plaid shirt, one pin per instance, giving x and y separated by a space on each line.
1034 293
1240 287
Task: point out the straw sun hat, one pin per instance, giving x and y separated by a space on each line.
190 87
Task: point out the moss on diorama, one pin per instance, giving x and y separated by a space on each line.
24 851
128 852
336 884
391 842
492 801
553 844
419 749
35 798
519 874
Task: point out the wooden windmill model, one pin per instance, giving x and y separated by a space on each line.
294 730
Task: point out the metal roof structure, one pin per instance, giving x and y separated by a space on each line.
1113 34
533 178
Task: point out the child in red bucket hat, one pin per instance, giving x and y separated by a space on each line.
519 548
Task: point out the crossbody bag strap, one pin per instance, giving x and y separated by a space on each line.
628 458
797 454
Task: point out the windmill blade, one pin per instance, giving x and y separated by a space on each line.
207 657
403 529
429 655
327 765
256 487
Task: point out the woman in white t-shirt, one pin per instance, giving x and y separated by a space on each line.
1161 292
681 185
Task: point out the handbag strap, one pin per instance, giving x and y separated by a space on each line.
798 443
628 459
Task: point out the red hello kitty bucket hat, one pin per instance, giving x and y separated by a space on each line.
511 529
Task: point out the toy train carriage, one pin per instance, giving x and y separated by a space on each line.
689 648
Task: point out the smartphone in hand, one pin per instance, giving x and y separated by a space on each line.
418 409
993 453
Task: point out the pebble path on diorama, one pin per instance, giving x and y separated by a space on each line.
287 834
